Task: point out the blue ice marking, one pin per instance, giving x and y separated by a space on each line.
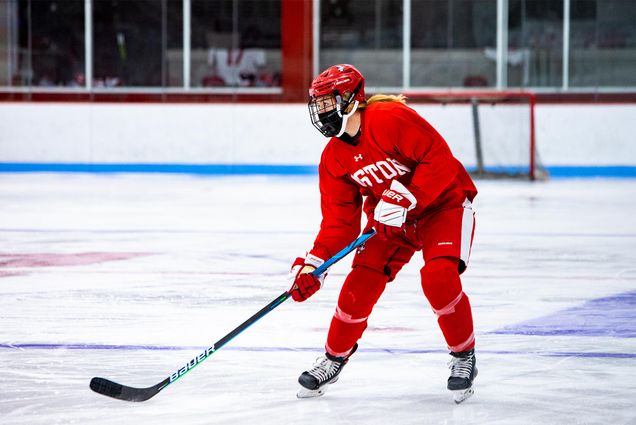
394 351
613 316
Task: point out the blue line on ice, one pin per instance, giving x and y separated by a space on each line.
305 349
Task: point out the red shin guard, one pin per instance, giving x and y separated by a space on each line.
359 293
443 289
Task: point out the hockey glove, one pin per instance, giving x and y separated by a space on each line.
390 213
305 284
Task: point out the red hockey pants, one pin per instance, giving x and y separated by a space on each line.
445 239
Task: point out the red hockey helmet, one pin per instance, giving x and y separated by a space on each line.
330 95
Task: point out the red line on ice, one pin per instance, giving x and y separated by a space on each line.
73 259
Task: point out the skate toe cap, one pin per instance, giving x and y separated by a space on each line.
308 381
455 384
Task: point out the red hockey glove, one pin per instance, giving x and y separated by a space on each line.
390 213
305 284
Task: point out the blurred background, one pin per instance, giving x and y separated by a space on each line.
548 44
244 66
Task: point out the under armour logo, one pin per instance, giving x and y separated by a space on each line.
358 157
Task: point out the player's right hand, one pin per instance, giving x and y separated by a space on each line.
305 284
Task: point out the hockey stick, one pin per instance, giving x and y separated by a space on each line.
122 392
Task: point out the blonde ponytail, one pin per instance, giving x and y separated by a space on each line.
383 98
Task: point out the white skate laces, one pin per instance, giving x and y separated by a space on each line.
460 368
325 371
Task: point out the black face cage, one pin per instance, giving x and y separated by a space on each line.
329 121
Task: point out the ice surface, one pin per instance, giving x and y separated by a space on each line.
130 276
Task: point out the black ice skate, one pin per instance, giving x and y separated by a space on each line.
463 372
325 371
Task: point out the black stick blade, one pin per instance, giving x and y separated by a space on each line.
122 392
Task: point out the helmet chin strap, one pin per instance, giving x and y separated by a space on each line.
345 118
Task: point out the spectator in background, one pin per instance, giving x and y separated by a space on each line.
237 67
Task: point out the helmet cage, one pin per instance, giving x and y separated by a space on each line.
332 122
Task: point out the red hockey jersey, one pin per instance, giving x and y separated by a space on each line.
395 143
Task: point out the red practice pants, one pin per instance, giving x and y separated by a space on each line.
445 239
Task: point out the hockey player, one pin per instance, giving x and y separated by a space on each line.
386 161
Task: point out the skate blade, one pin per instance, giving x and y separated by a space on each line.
462 395
305 393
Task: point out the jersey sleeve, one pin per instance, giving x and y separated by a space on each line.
412 137
341 205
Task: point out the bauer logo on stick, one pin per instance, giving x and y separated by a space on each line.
192 363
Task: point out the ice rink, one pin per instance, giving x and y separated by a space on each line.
130 276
